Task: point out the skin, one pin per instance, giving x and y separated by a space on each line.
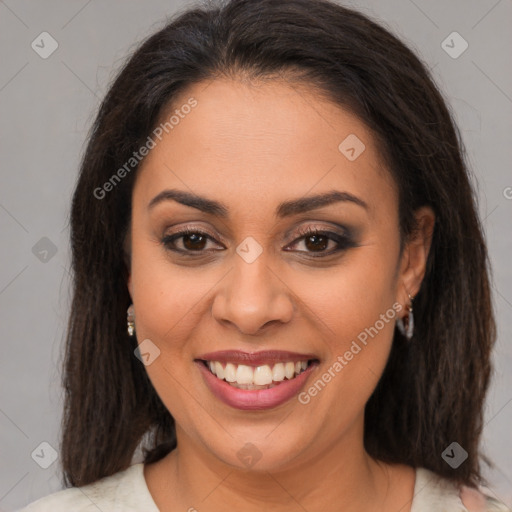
252 146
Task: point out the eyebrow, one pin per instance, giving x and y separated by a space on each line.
285 209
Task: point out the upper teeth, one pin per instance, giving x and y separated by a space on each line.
258 375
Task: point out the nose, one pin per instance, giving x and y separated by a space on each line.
252 296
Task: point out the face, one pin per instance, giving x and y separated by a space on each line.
265 278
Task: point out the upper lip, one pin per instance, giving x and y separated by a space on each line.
255 358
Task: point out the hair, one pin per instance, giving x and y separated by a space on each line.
433 388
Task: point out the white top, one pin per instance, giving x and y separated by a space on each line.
127 491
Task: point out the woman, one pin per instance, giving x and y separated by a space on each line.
281 290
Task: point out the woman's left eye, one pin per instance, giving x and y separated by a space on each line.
315 241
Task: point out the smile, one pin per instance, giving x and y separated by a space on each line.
255 381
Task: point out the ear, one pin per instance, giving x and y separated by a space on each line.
415 254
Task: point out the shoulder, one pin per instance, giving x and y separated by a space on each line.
432 492
126 488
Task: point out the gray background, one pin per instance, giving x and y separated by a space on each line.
47 106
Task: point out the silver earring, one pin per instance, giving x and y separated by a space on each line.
131 320
406 325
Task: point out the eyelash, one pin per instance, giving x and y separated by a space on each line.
344 242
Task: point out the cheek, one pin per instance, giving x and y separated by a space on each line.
352 296
165 295
354 316
167 300
352 311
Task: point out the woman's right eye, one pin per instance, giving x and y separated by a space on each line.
192 240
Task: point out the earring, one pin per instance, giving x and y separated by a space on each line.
406 325
131 320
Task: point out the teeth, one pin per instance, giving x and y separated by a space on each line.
244 374
259 377
219 371
262 375
289 370
278 372
229 373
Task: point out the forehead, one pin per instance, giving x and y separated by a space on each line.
242 141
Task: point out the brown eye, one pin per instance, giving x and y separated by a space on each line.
192 240
316 241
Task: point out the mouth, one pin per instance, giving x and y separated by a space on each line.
255 380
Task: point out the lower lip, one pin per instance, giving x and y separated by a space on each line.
254 399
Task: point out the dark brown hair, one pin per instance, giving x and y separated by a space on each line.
433 388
